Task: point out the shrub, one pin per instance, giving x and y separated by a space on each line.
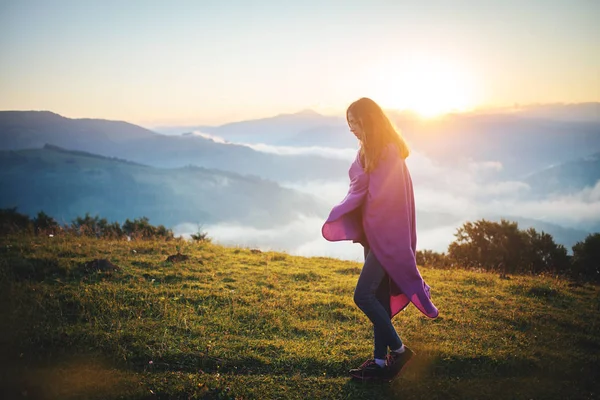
45 224
12 222
200 236
586 258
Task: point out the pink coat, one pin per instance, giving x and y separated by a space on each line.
379 210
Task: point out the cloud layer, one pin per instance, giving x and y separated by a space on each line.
301 237
468 191
326 152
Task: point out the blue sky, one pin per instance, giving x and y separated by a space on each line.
170 62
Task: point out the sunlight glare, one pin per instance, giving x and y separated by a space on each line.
427 87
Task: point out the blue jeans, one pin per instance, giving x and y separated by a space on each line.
372 296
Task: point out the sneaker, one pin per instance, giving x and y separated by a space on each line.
369 370
397 361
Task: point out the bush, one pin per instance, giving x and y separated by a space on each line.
586 258
433 259
45 224
200 236
503 246
12 222
141 229
89 226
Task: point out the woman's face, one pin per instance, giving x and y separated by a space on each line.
355 126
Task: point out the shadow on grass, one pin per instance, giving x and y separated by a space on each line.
48 269
476 367
35 269
244 365
455 377
448 377
426 366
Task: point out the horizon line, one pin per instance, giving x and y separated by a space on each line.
312 111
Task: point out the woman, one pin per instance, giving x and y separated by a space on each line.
379 213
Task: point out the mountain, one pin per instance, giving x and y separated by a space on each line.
562 112
34 129
272 130
66 184
522 144
547 154
567 178
336 136
524 140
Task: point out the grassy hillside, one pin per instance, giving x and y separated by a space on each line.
231 323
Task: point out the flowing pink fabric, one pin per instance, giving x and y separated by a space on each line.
379 210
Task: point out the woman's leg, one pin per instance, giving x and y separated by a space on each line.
369 297
383 296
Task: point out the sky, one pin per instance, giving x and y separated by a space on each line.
211 62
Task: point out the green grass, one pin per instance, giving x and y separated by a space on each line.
233 324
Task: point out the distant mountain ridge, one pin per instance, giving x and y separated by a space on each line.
524 139
30 129
66 184
569 177
88 154
272 130
589 111
34 129
120 170
523 145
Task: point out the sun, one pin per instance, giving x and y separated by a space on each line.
428 87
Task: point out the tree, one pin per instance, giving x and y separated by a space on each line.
113 231
45 224
200 235
429 258
11 221
586 258
490 245
141 229
543 255
88 226
486 244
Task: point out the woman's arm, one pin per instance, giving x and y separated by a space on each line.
345 219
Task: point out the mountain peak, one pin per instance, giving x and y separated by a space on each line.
307 112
